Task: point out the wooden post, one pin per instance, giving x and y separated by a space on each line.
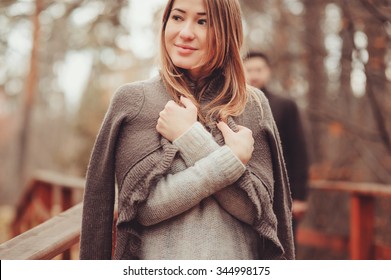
361 227
66 198
44 193
66 203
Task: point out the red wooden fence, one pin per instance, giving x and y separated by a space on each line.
58 234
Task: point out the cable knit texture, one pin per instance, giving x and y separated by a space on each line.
213 182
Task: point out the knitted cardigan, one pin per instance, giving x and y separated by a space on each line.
118 156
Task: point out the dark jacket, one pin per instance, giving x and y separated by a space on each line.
287 117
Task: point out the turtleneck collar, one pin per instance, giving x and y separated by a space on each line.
206 90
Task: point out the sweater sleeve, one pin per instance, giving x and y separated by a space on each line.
176 193
99 193
268 181
198 143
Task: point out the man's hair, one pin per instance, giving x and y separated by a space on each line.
255 54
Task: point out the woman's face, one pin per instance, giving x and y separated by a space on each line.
186 37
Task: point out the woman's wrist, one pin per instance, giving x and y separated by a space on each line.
195 143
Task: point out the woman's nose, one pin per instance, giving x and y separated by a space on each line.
187 32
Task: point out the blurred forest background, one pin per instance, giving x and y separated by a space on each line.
60 62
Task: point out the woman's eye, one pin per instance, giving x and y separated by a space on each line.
176 18
202 22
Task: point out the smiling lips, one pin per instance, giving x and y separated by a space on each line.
185 49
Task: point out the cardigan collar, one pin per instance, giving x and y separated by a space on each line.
208 89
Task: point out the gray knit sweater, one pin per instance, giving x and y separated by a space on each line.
195 225
191 199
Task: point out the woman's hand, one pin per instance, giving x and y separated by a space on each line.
175 120
241 142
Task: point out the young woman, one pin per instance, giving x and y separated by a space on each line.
195 153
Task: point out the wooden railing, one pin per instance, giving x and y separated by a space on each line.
58 234
360 244
47 240
46 195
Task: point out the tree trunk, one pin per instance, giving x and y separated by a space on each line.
346 34
28 99
317 79
376 78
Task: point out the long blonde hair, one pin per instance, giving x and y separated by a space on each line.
224 45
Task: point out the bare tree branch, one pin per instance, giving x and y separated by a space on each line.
374 104
375 12
378 114
358 131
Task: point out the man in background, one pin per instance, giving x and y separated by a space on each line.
289 125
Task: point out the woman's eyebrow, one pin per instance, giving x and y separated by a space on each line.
184 12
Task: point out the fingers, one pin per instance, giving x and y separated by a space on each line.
243 128
160 125
171 105
224 128
187 103
175 118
